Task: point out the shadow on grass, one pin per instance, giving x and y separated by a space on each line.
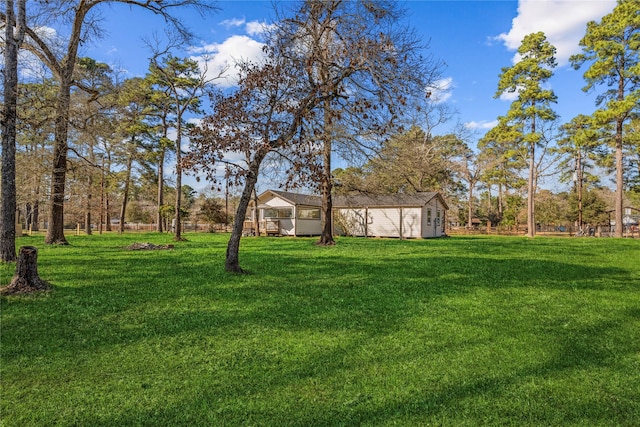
539 393
352 306
161 290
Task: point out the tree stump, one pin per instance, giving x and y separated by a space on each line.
26 279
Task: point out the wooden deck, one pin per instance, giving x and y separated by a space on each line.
268 227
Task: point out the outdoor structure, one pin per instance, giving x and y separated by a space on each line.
420 215
285 214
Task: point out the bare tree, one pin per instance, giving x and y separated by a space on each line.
292 103
367 65
263 115
470 170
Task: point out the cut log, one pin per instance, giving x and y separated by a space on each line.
26 279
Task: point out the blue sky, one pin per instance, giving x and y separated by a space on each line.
475 39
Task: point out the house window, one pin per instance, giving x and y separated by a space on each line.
438 218
277 213
309 213
428 216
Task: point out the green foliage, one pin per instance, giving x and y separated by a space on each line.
188 196
513 207
578 148
531 108
169 212
632 169
408 162
550 208
378 332
212 211
610 49
138 214
502 150
178 84
594 208
526 78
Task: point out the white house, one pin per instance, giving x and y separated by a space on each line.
286 214
420 215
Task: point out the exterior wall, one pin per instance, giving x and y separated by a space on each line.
385 222
412 223
293 226
428 229
349 222
436 227
308 226
277 202
405 222
287 225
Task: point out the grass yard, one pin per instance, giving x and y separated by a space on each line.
464 331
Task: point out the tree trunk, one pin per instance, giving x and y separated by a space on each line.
579 186
8 186
177 236
127 181
26 279
619 180
35 215
470 207
326 238
159 217
87 216
500 201
55 228
107 204
177 232
232 263
28 215
531 222
490 202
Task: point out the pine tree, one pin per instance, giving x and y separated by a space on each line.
527 79
611 48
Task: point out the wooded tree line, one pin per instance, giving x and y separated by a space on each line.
344 78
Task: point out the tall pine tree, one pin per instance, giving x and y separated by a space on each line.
527 79
611 49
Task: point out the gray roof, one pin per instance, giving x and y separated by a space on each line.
390 200
372 200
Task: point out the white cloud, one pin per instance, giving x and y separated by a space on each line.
256 28
509 96
483 124
440 90
564 23
222 57
231 23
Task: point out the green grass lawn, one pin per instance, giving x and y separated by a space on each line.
464 331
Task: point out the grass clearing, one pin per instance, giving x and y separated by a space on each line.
463 331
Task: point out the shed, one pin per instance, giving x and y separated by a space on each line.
420 215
